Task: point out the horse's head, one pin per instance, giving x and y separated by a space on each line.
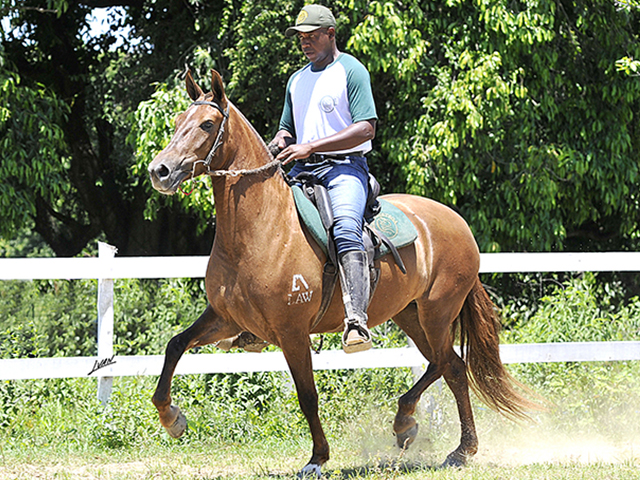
199 132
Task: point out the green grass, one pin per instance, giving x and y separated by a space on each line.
281 460
249 426
56 429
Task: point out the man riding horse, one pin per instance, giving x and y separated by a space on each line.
327 124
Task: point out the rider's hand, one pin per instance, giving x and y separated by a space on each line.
295 152
281 141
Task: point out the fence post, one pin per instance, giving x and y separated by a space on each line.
106 253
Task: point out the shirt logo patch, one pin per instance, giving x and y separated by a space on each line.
328 104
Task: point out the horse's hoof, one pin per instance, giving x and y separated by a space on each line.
455 460
311 470
179 426
407 437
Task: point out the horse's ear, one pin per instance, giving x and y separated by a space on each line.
194 91
217 88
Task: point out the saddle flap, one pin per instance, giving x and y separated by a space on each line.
323 203
391 221
310 217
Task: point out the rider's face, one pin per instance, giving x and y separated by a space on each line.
317 45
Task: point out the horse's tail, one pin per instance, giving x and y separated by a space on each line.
479 343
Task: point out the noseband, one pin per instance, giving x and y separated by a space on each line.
218 142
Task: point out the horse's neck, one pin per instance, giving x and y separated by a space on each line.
254 210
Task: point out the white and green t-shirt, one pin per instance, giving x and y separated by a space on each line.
319 104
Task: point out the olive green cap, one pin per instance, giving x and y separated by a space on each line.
311 18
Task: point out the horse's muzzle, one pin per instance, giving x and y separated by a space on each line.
165 179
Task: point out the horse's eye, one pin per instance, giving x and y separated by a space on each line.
207 126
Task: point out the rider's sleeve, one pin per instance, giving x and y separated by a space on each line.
286 120
361 103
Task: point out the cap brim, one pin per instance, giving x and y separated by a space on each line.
289 32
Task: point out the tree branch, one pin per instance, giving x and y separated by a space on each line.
65 235
112 3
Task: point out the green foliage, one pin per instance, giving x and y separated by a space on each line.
583 394
239 407
581 310
255 68
512 112
22 341
32 141
261 58
51 318
518 114
245 409
628 66
126 421
25 244
59 317
67 99
148 313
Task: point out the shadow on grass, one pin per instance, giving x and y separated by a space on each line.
382 468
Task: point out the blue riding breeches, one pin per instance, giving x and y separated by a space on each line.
347 182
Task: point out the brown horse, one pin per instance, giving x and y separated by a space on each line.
261 253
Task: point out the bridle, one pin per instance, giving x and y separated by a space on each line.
218 142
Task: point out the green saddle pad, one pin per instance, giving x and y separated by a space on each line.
391 221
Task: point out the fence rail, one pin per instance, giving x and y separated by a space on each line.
195 266
120 366
106 267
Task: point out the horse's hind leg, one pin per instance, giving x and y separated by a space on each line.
456 377
435 343
207 329
405 426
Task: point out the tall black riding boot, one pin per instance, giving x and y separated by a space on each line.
354 280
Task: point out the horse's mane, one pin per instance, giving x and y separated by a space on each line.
261 141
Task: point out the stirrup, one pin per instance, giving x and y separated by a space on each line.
356 338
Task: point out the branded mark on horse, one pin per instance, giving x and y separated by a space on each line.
264 266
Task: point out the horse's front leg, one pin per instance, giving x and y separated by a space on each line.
207 329
297 352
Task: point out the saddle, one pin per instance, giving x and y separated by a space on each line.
386 228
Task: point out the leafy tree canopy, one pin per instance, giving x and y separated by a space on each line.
521 115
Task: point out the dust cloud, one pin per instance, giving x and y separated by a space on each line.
606 436
550 439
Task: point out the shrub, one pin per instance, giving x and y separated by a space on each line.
584 395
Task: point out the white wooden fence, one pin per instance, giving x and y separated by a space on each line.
106 267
